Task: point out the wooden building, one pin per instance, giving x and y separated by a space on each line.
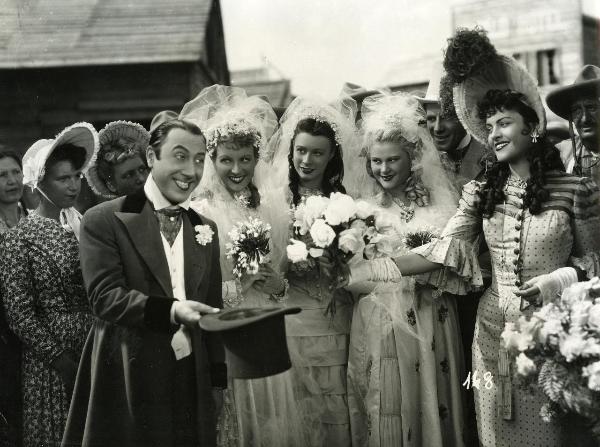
63 61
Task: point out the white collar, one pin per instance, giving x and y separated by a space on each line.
464 142
154 194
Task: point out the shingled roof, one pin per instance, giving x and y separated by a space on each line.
52 33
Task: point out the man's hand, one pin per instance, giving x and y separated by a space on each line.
248 281
189 313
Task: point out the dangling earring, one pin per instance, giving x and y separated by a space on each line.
534 136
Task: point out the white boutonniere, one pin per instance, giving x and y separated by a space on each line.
204 234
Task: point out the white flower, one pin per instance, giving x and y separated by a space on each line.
525 365
341 209
550 328
591 348
351 241
571 345
594 318
321 233
579 313
314 208
315 252
296 251
593 373
364 209
510 336
386 221
204 234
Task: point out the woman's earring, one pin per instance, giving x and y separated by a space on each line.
534 136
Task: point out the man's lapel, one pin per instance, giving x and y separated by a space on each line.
195 255
144 231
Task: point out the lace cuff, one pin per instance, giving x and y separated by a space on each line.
460 273
283 295
232 293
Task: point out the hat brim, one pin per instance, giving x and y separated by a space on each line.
502 74
110 133
561 99
79 134
244 316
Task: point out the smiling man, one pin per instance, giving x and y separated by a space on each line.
462 156
147 370
579 103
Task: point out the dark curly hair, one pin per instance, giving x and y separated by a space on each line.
542 156
334 172
237 141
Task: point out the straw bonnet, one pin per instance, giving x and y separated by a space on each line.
474 67
34 161
254 339
586 85
131 135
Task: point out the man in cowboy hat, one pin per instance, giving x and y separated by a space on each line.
579 103
462 156
151 268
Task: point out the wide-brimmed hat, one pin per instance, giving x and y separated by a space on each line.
474 67
34 161
136 138
254 339
586 85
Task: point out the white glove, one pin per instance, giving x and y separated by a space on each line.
550 285
380 269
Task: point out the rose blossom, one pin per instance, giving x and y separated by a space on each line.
321 233
364 209
594 317
571 345
525 365
341 208
593 373
579 313
296 251
350 241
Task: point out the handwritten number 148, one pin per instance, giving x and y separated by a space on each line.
474 381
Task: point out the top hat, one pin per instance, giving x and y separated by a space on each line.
432 96
254 339
586 84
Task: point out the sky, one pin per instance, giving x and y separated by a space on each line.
320 44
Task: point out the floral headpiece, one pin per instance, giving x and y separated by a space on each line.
396 112
225 130
324 114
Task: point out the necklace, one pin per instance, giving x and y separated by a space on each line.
407 212
305 191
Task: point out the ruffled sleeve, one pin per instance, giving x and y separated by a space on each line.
457 249
585 222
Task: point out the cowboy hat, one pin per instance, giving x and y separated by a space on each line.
254 339
586 85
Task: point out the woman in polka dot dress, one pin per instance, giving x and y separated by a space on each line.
536 220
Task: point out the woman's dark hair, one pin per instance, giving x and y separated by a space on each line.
334 172
237 141
542 156
158 135
67 152
7 153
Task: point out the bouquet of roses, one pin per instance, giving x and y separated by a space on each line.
558 350
342 226
249 246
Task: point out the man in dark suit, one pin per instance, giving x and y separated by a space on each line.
151 268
